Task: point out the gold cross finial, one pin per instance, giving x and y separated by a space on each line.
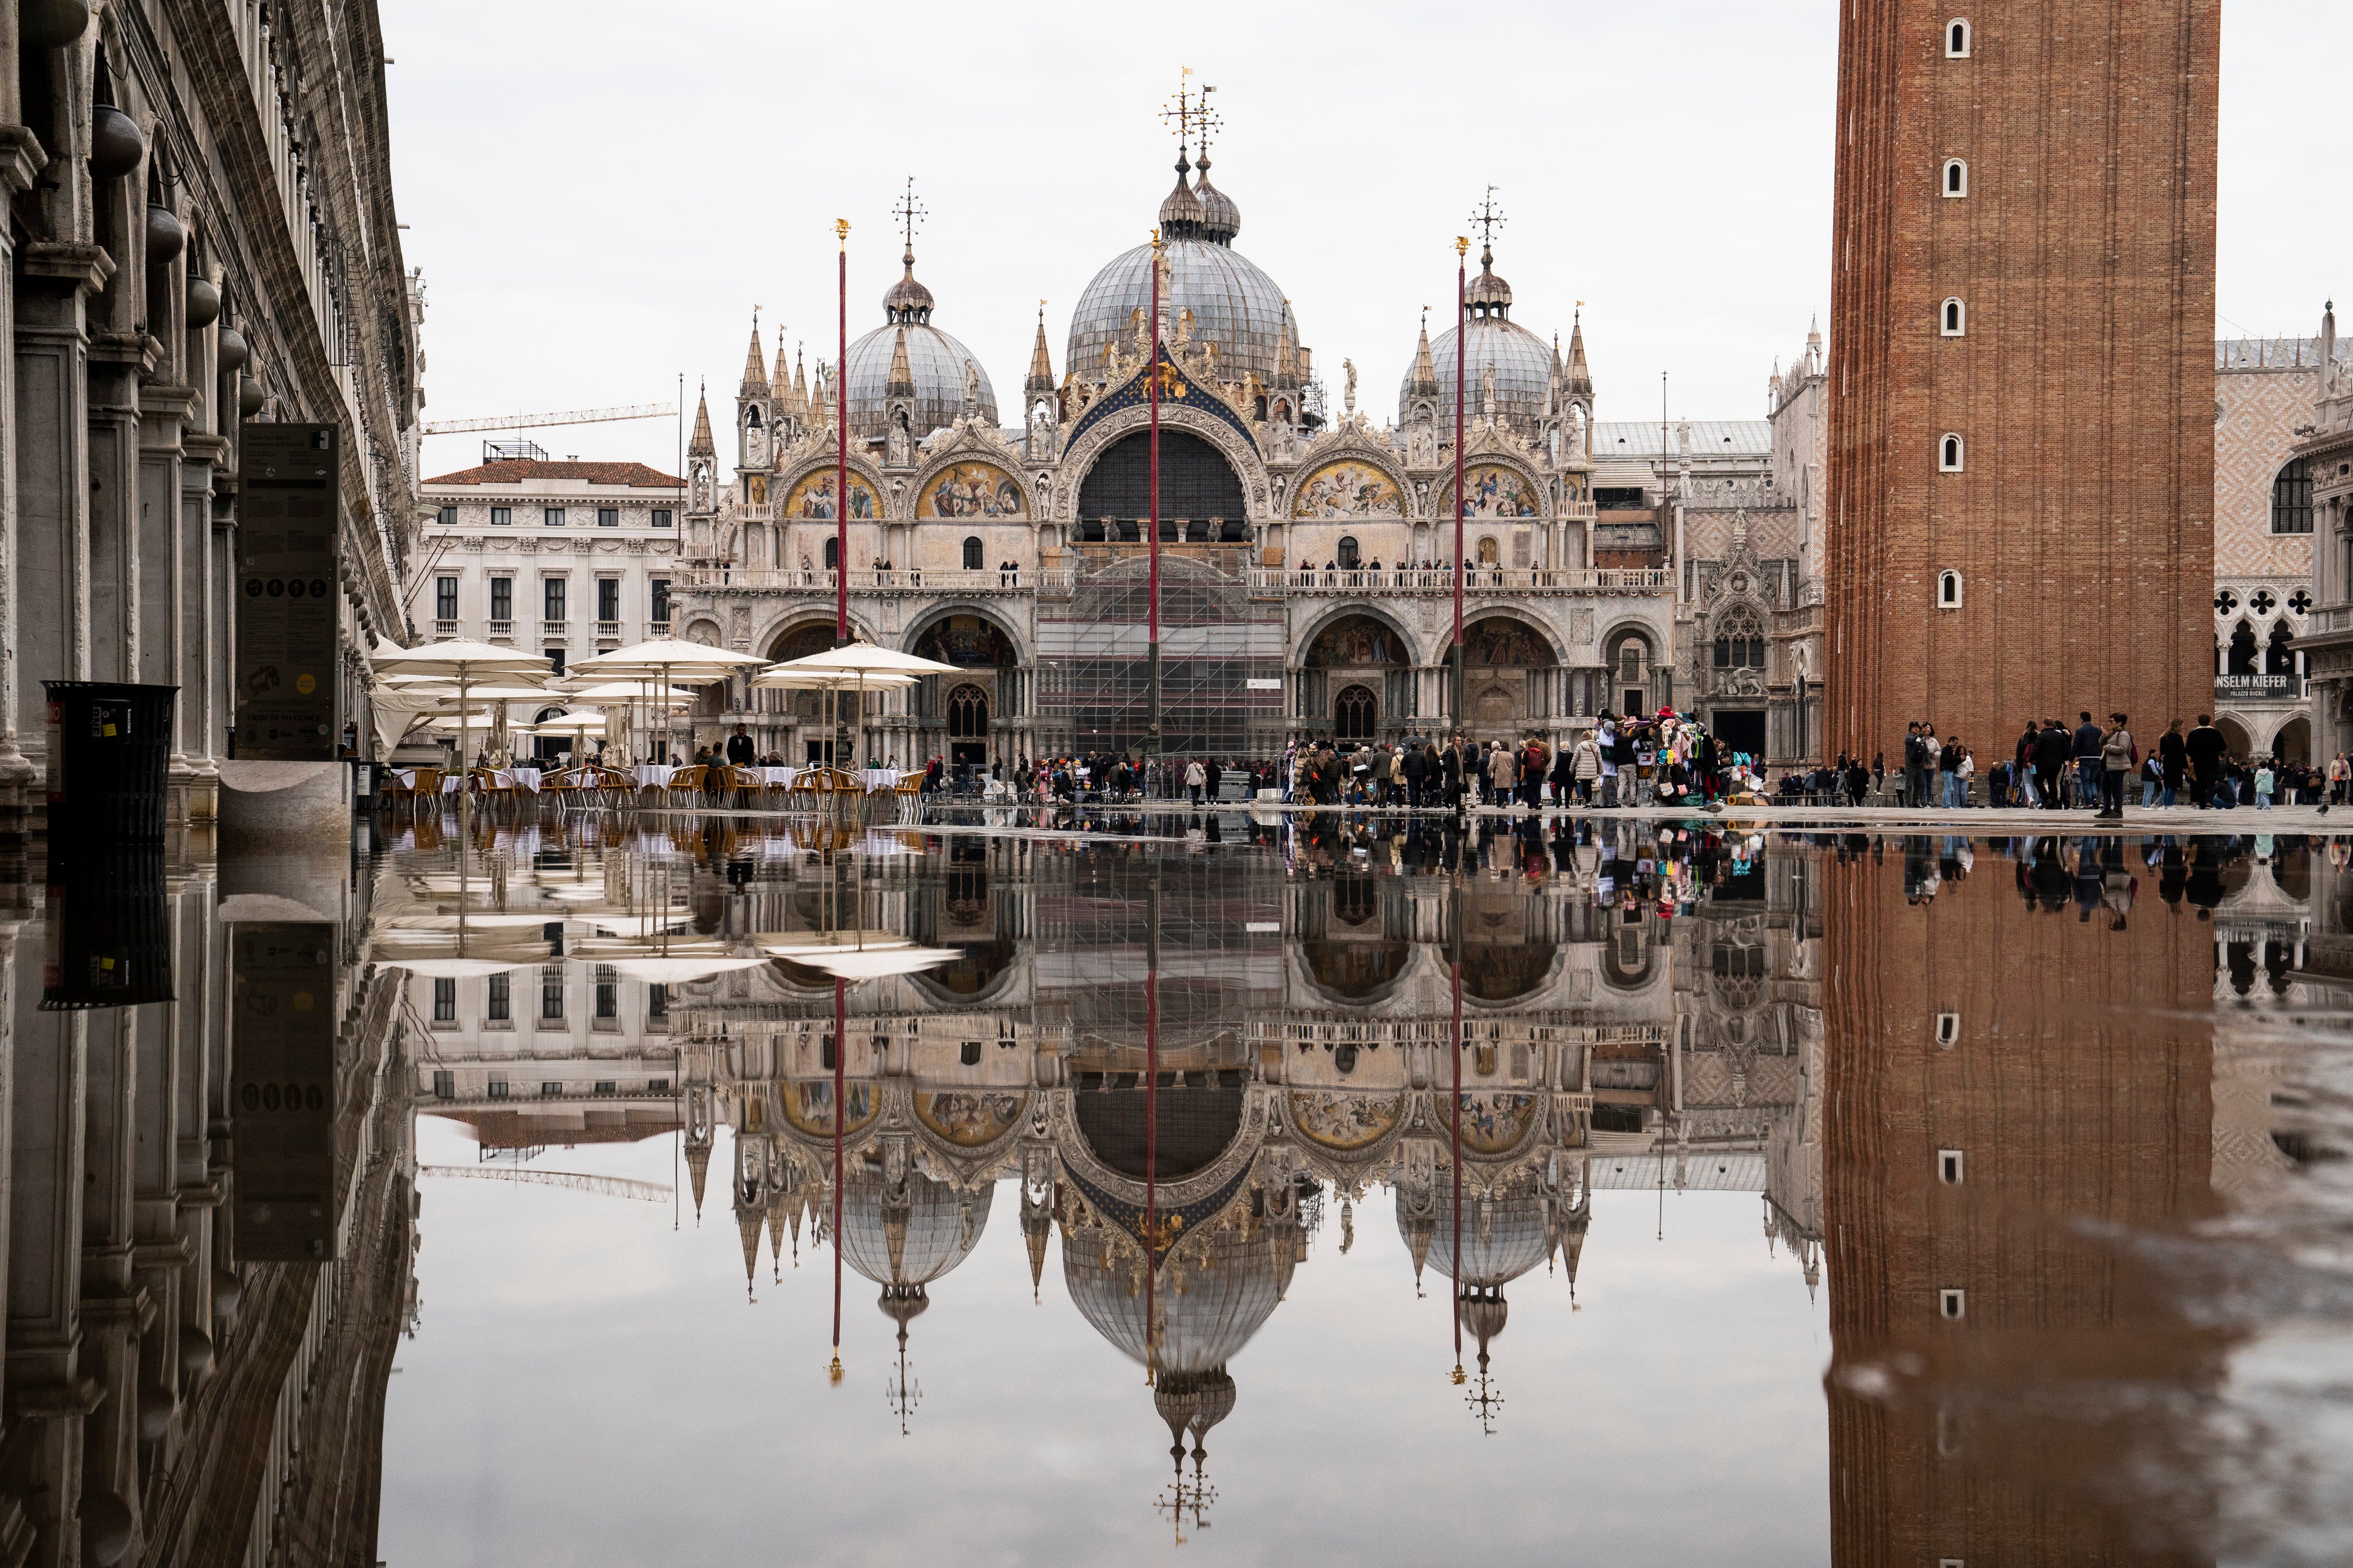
1183 109
910 212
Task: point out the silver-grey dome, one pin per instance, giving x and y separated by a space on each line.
1226 1296
1234 306
1503 1238
915 1245
1522 365
937 361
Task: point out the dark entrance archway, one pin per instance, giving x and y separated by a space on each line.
1741 729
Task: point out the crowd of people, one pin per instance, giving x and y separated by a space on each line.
2056 766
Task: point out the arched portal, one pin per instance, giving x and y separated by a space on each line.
1358 666
1508 677
1197 486
955 711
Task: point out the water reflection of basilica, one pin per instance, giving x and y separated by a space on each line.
1624 1027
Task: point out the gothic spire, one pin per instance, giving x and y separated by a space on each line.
701 445
1581 374
903 375
1041 366
1286 355
777 385
1424 371
756 378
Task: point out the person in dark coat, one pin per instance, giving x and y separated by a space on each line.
1417 773
2203 749
1449 764
2050 749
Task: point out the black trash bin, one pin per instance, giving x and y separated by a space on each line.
108 744
109 928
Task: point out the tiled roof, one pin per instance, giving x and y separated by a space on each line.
1710 439
522 470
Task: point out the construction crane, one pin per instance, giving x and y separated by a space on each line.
571 1181
542 421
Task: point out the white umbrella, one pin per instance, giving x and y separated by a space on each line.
661 971
865 661
672 662
465 663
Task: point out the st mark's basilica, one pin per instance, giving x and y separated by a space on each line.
1306 548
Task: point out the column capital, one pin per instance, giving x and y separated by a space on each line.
64 268
21 158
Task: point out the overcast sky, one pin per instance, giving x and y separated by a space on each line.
599 193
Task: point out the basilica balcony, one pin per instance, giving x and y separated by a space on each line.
747 513
898 582
1540 580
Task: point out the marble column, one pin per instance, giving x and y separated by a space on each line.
48 598
21 160
118 361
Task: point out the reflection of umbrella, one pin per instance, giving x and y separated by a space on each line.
455 968
676 970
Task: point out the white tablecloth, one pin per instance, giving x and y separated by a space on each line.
651 775
527 777
880 778
782 777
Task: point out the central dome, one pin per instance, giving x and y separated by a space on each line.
1234 305
1523 361
936 358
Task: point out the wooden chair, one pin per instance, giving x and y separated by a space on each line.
427 788
486 783
690 782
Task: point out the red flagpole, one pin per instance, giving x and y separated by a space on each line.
841 461
1151 734
1461 353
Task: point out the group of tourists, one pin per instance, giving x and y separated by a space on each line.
1668 759
2056 766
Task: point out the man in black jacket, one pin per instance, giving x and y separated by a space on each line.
741 752
2206 748
1416 771
2050 755
1915 767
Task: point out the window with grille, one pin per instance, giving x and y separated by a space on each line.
1195 481
2292 498
550 992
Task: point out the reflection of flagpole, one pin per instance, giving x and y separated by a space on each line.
842 451
1454 1106
1151 1111
840 1115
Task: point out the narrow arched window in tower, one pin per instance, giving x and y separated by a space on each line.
1349 555
971 554
1948 590
1956 39
832 553
1957 177
751 419
1956 322
1948 454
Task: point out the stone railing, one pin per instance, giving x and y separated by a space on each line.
1476 580
898 580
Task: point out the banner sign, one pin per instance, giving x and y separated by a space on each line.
287 651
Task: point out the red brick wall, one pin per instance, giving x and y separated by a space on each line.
2084 388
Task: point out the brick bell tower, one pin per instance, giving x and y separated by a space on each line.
2021 444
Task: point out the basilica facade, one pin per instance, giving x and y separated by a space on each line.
1305 549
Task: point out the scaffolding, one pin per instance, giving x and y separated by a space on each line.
1220 659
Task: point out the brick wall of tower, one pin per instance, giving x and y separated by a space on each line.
2083 386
